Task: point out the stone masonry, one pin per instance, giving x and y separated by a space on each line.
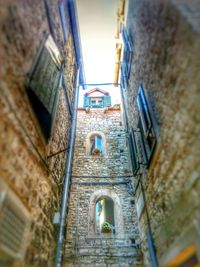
25 169
93 177
165 41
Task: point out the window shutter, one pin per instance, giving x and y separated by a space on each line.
123 76
144 111
43 88
127 53
147 132
86 102
133 152
45 79
107 101
126 39
143 145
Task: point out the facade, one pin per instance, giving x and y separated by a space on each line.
132 197
40 56
102 227
97 98
160 90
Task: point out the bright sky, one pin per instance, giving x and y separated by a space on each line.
97 22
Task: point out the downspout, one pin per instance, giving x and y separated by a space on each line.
67 180
152 250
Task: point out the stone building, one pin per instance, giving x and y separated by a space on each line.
101 191
40 54
160 91
133 195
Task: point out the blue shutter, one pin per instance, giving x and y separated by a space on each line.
107 101
133 152
147 133
123 76
127 54
86 103
144 111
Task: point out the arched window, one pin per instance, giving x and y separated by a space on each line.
105 207
105 222
96 145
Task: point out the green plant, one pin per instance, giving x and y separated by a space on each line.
96 150
106 228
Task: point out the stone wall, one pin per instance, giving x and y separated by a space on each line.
24 164
165 38
96 176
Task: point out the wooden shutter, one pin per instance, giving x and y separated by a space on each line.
127 53
86 102
107 101
144 111
43 88
143 145
123 76
133 152
145 125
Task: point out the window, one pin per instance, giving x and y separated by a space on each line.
105 216
134 157
97 102
105 207
43 85
64 20
96 145
93 102
127 54
145 124
100 102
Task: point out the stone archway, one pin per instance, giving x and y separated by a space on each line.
118 214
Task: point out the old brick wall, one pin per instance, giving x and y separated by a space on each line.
165 38
89 177
24 166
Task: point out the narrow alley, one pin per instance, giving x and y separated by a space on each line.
99 133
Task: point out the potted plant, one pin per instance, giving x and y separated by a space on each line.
106 228
96 152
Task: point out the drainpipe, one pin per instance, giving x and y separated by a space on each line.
67 179
152 250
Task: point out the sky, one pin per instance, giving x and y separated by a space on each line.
98 23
